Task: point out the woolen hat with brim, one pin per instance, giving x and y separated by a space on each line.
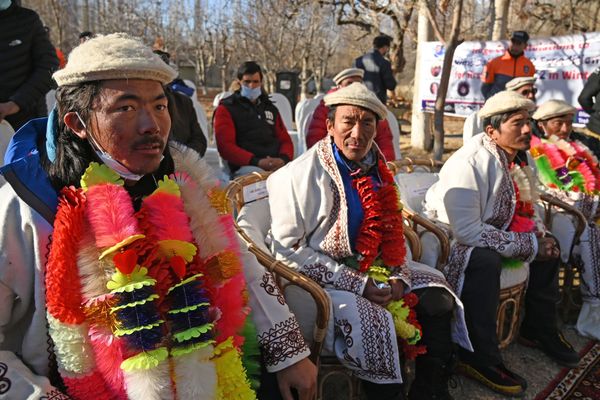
503 102
357 94
552 109
347 73
519 82
114 56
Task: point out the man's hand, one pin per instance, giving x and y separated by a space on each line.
376 295
271 163
301 376
8 108
397 289
547 248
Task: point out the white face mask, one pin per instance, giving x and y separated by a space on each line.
109 161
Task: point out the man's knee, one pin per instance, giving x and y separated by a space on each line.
435 301
487 259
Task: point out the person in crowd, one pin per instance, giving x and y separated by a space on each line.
569 170
185 128
327 212
142 291
85 36
489 210
249 131
378 70
27 60
588 99
62 61
317 129
511 64
524 85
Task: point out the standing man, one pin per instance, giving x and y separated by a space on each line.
317 129
114 306
487 212
250 133
378 71
511 64
27 60
589 99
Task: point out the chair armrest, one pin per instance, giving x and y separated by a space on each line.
414 242
418 220
322 301
549 201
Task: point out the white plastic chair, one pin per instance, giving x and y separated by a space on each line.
304 113
219 97
50 99
6 133
395 128
285 109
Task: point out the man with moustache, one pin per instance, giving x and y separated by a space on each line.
477 197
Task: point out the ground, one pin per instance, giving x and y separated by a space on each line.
532 364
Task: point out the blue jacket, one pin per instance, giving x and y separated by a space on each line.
378 73
23 169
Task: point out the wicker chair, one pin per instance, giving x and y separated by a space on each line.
512 283
294 285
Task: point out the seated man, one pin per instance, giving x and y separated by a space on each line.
317 129
523 85
185 128
569 169
476 197
249 131
324 224
135 295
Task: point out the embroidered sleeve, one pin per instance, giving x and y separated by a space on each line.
404 274
350 280
522 246
283 343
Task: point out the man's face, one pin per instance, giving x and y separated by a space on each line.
131 122
252 80
350 80
560 126
527 91
514 134
516 48
353 131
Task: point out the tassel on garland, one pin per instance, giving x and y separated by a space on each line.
230 300
233 383
149 384
546 173
251 353
196 375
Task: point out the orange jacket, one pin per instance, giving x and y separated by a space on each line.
500 70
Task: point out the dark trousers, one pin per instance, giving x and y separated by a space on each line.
434 312
480 296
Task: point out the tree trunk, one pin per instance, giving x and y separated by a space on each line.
304 78
440 100
500 19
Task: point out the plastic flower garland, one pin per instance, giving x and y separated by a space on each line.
526 195
567 166
381 250
133 309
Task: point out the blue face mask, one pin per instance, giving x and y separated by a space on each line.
4 4
251 94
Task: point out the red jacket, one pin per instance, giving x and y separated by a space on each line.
225 136
317 130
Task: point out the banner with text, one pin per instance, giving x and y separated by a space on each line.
562 66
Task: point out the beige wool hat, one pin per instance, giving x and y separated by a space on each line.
347 73
553 108
521 81
356 94
503 102
114 56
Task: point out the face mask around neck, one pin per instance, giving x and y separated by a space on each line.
108 160
250 94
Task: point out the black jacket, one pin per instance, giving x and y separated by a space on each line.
378 73
590 101
184 121
27 61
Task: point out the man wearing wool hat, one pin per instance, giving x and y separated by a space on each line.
524 85
317 129
319 220
114 305
569 170
476 198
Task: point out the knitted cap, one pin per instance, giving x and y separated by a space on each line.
114 56
503 102
357 94
553 108
347 73
521 81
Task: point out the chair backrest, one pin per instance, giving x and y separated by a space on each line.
304 112
219 97
395 128
6 134
285 109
